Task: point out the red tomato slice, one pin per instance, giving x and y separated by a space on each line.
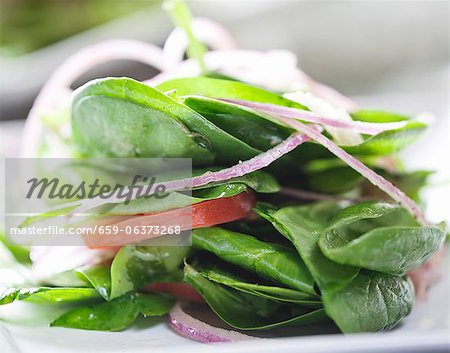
199 215
179 290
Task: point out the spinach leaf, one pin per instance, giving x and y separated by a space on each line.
261 290
377 116
371 302
269 261
385 249
116 314
363 210
334 180
121 117
389 142
98 277
217 88
390 249
248 312
136 266
302 225
254 129
357 301
47 295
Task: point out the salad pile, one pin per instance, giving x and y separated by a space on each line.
301 211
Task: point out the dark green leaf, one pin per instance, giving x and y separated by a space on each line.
390 249
139 120
302 225
371 302
265 291
244 124
334 180
270 261
248 312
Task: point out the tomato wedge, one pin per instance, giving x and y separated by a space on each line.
179 290
199 215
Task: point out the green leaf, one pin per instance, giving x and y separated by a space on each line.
389 249
357 301
363 210
386 249
302 225
334 180
115 315
136 266
377 116
47 295
139 120
153 304
269 261
248 312
244 124
261 290
8 295
389 142
371 302
99 277
226 89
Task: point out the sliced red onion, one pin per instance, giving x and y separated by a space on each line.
256 163
60 81
376 179
292 113
199 331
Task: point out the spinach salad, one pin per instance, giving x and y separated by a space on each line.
302 212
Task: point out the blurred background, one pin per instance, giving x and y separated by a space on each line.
358 47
